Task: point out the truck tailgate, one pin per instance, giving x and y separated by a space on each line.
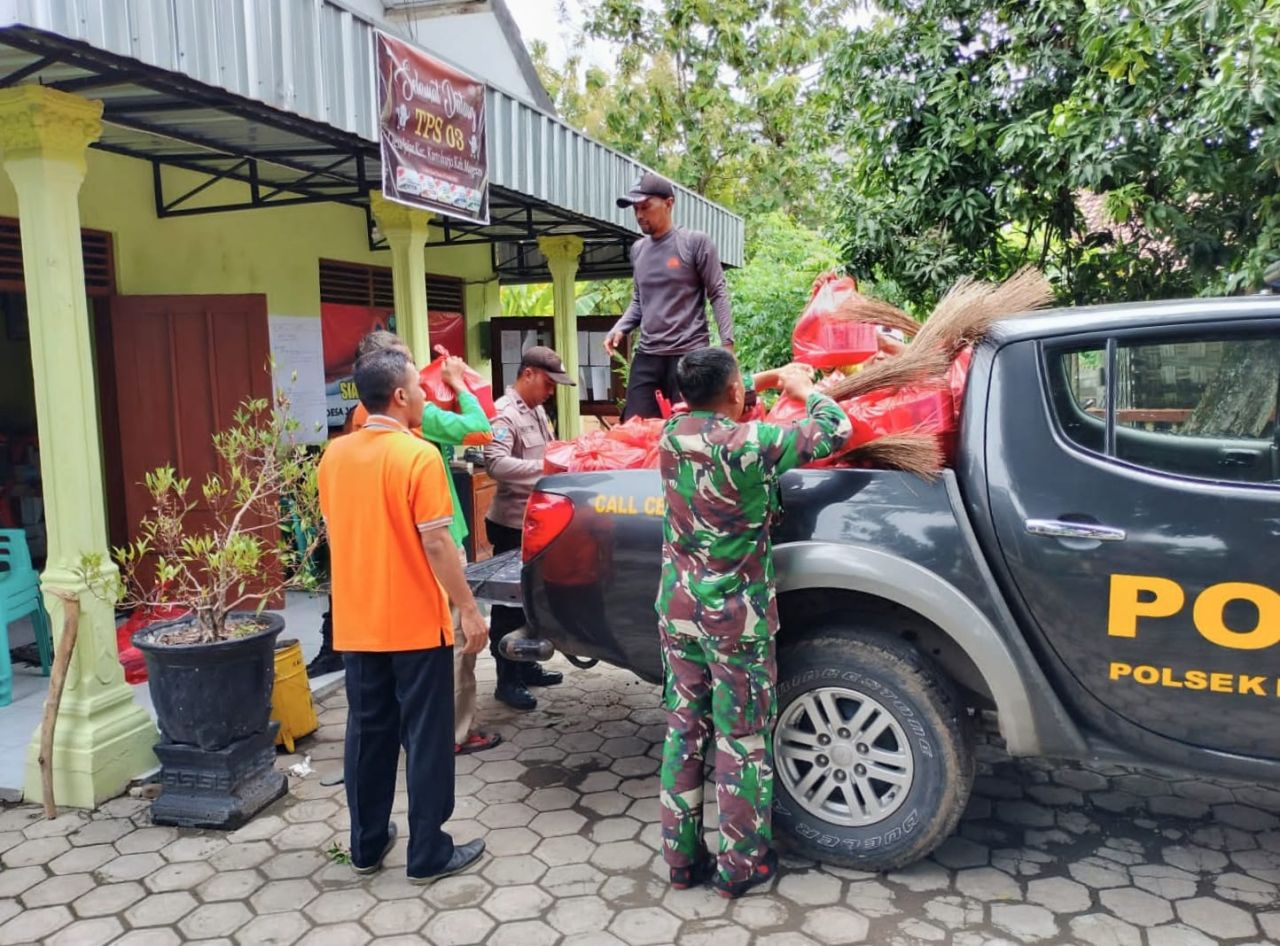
497 580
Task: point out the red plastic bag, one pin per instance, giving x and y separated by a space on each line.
905 410
557 456
439 393
595 451
786 410
825 341
642 432
664 406
957 376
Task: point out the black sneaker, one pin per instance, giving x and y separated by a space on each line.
535 675
515 695
325 662
696 874
464 855
764 872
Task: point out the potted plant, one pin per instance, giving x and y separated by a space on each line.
217 563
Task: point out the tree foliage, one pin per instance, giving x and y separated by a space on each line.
718 96
771 290
974 127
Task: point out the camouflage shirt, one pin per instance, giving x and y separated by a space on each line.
720 480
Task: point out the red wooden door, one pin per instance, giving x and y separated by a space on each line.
181 365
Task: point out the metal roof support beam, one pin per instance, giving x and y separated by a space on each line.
318 172
29 69
214 178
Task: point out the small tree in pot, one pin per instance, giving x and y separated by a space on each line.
217 560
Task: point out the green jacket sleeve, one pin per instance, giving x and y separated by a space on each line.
787 446
441 426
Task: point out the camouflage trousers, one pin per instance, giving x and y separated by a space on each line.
722 689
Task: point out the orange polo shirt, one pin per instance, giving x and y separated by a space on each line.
380 488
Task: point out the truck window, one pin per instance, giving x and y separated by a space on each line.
1078 384
1202 405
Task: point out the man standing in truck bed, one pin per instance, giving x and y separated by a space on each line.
717 616
677 271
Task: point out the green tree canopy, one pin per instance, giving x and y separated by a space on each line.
973 128
718 96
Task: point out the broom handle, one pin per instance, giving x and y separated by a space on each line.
61 662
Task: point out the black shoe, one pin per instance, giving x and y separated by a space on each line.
765 871
696 874
464 855
325 662
515 695
377 865
535 675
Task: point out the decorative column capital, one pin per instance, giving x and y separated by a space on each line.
562 253
37 121
394 218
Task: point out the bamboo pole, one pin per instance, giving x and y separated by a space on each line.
57 681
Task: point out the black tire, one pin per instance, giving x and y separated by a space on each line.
921 710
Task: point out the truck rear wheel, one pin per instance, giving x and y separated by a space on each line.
873 751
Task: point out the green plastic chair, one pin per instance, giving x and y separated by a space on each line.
20 596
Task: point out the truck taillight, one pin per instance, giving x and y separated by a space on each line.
546 516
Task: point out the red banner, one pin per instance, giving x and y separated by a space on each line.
431 124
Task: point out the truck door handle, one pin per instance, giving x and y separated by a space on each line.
1059 529
1239 458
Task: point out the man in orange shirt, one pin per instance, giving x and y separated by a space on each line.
394 569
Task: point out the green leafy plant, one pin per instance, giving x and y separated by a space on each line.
1128 148
338 854
246 535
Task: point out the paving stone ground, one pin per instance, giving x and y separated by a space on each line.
1048 853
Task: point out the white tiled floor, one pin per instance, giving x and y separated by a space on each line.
20 719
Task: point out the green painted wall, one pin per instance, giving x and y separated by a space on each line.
274 251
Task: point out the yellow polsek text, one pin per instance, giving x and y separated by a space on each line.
1149 596
1214 681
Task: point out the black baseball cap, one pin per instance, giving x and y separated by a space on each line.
540 356
649 185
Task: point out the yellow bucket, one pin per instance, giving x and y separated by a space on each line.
291 704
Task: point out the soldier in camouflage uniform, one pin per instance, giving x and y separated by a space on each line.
717 614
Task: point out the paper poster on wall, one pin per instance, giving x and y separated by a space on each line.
297 349
343 326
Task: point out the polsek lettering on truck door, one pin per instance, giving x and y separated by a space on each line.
1169 615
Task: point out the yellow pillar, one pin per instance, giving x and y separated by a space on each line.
103 738
563 253
406 231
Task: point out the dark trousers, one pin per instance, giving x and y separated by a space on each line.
400 699
650 373
503 620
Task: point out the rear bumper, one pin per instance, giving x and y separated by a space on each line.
497 580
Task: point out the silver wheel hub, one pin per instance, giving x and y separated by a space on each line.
843 757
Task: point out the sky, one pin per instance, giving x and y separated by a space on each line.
539 19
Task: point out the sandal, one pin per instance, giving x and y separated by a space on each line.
695 874
765 871
477 742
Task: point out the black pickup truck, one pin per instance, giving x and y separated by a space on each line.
1100 567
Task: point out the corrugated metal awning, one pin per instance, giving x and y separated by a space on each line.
277 95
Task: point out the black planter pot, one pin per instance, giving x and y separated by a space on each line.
213 706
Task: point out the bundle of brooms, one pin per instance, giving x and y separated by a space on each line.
961 319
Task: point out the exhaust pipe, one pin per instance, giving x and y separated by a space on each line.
518 645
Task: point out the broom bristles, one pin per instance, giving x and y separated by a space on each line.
967 312
912 453
919 363
859 308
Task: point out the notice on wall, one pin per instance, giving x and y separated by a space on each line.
431 122
342 326
297 349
